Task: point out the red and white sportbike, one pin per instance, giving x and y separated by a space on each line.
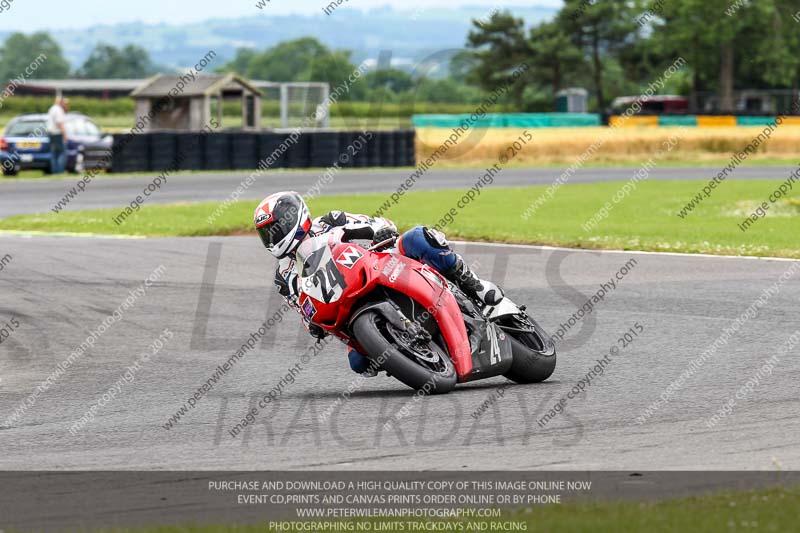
411 322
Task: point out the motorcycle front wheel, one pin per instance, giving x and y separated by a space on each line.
533 349
418 362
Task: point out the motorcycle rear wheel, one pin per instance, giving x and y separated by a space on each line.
431 370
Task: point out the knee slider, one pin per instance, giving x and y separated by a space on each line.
435 238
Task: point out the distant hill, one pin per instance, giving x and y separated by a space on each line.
410 35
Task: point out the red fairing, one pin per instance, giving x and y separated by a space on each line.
351 272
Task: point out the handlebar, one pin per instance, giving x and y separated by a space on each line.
381 244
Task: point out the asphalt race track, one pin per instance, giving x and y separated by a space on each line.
40 195
213 294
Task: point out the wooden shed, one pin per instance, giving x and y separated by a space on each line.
173 102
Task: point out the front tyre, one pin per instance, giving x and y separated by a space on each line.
419 363
534 351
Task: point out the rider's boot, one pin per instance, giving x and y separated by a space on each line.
360 364
485 291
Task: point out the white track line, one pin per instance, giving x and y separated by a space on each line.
629 252
28 234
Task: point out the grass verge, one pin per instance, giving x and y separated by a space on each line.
645 220
758 510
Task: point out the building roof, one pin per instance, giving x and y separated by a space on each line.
131 85
83 85
201 85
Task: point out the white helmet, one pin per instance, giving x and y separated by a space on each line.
282 221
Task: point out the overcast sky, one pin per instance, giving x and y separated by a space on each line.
30 15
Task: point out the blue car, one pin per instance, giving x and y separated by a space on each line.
25 145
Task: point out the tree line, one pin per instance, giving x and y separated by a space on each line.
611 47
617 47
104 61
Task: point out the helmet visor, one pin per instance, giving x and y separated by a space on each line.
284 222
274 232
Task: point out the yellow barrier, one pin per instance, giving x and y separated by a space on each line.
791 121
722 121
633 121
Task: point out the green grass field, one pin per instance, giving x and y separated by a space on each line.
646 220
762 510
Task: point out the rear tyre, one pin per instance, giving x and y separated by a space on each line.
10 171
422 365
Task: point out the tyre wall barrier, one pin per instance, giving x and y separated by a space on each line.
163 151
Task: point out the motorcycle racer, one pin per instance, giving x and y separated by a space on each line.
283 221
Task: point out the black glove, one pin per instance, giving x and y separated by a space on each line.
334 218
282 286
384 234
316 331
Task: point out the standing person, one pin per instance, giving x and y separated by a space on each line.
56 128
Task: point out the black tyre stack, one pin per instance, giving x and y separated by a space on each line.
189 147
361 144
325 149
130 153
404 148
217 151
386 148
269 154
160 151
299 154
345 155
373 149
244 150
163 152
411 147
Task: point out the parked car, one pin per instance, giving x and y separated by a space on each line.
25 145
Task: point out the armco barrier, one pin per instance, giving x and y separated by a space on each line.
575 120
159 151
677 120
633 122
508 120
754 121
716 121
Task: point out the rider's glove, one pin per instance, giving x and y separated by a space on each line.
316 331
334 218
384 234
283 287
